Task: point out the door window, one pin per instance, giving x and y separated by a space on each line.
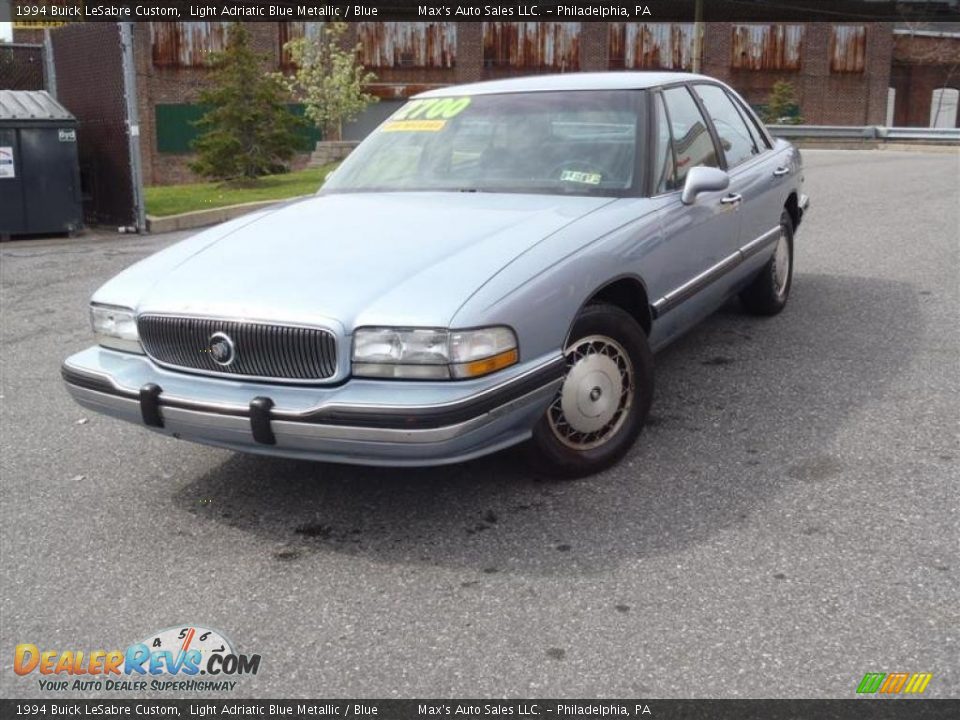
738 145
692 143
759 136
759 141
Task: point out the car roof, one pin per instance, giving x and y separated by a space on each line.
625 80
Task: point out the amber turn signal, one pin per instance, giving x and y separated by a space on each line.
486 366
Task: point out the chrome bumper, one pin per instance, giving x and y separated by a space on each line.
449 422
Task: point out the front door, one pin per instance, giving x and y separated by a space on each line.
700 240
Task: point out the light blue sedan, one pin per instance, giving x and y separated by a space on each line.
496 263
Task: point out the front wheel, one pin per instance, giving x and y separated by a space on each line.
604 399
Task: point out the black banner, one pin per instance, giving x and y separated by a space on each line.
853 709
33 11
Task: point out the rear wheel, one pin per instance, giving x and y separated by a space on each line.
604 399
767 294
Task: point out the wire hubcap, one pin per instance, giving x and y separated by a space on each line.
596 394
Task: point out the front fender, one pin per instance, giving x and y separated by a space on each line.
540 292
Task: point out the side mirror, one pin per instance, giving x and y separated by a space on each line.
703 179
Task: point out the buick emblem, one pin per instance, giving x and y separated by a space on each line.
221 349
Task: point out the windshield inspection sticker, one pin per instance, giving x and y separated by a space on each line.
7 168
581 177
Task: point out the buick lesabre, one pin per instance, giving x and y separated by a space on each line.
497 263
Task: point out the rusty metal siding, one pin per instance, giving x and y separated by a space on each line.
539 46
670 46
186 44
767 47
288 31
848 48
407 44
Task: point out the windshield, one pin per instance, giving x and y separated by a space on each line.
580 142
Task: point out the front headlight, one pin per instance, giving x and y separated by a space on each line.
432 353
115 327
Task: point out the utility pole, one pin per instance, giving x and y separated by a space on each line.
697 34
133 124
50 68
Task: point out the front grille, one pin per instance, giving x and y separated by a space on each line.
272 352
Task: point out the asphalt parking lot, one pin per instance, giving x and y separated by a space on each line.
788 521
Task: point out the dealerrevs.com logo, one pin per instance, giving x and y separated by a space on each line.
177 659
894 683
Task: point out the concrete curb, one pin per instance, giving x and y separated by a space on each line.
213 216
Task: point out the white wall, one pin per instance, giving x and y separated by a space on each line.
943 107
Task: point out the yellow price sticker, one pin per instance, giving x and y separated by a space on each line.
432 108
413 125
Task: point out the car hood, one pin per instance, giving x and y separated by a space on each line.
351 259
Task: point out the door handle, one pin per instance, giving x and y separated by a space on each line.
781 171
731 199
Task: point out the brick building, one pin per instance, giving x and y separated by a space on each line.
925 78
841 73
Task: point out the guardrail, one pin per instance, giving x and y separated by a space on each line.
877 133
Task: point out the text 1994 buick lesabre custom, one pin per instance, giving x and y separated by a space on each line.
496 263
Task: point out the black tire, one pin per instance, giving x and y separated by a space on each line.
577 455
765 295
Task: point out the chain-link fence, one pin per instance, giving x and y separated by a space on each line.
90 83
21 67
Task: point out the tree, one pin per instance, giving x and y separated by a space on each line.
248 130
782 105
329 78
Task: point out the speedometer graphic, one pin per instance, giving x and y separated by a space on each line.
179 640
